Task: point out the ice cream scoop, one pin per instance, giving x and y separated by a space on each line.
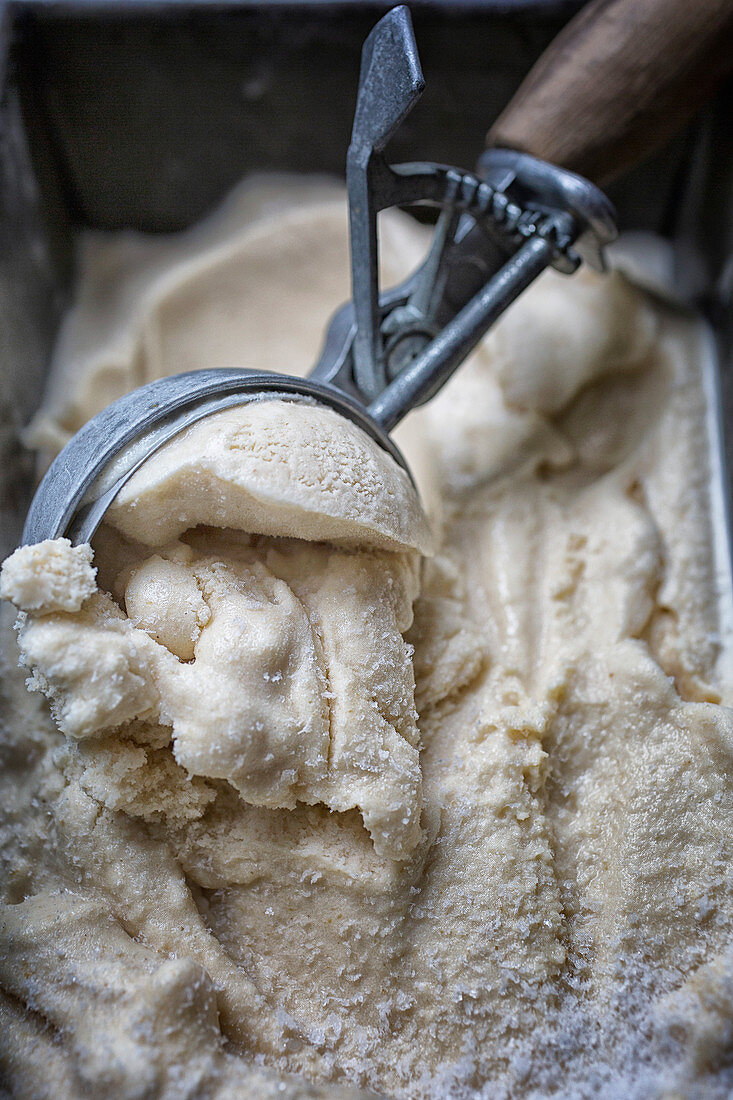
383 353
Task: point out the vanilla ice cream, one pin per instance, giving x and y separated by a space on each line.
335 797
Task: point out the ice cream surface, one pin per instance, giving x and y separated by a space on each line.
277 663
315 812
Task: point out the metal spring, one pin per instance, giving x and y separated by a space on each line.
469 195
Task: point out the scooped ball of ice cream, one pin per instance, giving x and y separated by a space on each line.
279 468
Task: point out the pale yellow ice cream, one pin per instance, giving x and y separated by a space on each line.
248 856
277 664
274 468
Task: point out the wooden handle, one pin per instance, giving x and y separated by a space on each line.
617 81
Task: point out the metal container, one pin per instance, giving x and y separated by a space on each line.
143 114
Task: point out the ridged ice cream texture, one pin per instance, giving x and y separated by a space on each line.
562 921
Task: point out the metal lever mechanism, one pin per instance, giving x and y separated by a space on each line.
496 232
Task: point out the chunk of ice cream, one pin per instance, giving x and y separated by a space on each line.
50 576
